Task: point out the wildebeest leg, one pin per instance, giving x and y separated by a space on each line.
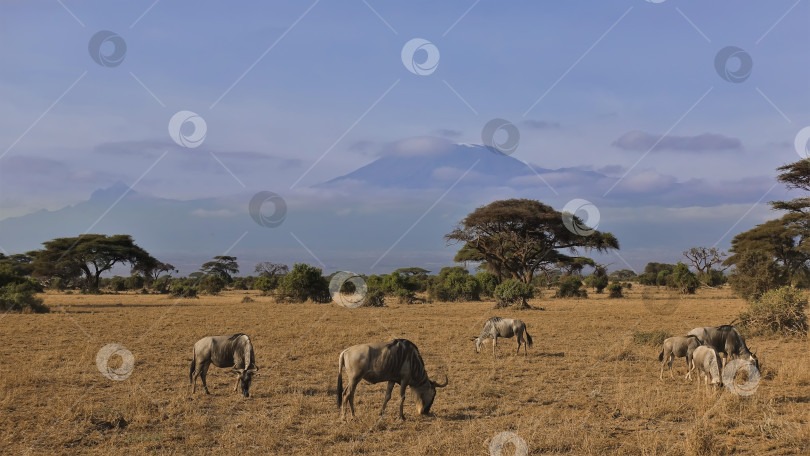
494 345
194 378
388 390
203 374
518 339
350 396
671 359
402 400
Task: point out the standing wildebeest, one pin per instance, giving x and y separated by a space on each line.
707 362
224 351
677 347
726 340
497 327
397 361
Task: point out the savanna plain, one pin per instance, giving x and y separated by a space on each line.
589 385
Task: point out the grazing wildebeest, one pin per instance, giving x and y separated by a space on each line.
497 327
224 351
395 362
707 362
727 341
677 347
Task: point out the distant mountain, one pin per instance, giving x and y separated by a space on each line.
437 169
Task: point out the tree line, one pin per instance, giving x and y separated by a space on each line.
520 247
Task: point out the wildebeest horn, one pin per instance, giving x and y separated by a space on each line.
437 385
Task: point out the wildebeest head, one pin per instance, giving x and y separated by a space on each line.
427 394
244 378
477 341
753 359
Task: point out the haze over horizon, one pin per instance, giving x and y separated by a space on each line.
373 141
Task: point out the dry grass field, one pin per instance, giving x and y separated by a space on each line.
585 388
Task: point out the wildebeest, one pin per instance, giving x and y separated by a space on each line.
707 362
395 362
234 350
677 347
726 340
497 327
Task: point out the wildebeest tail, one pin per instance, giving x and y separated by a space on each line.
340 381
661 355
529 338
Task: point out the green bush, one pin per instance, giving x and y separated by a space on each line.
118 283
755 273
513 291
661 278
488 282
683 280
162 284
239 284
181 290
134 282
302 283
714 278
211 284
779 311
615 290
454 284
20 297
571 287
374 298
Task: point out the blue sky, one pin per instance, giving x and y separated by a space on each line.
296 93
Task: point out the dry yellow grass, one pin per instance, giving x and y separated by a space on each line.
585 387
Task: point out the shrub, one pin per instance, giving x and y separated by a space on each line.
661 278
247 299
683 280
302 283
161 285
374 298
118 283
239 284
405 296
454 284
654 338
714 278
615 290
779 311
181 290
754 274
488 282
211 284
571 287
134 282
513 291
57 283
20 297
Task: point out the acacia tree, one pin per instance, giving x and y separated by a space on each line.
518 237
88 254
703 258
222 266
